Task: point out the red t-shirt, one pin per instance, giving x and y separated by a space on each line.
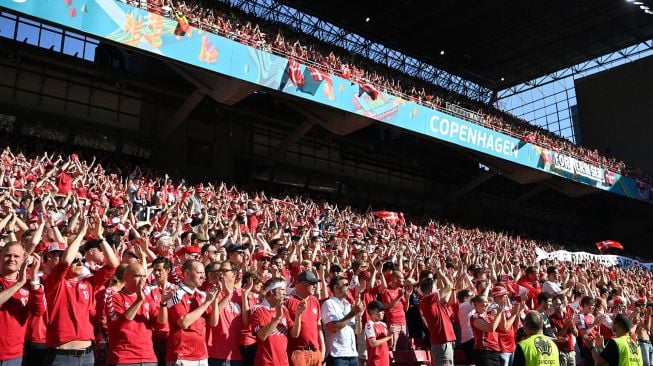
224 340
379 355
14 314
308 334
558 323
273 350
159 331
507 337
438 319
190 343
396 315
64 183
130 340
486 341
70 303
247 337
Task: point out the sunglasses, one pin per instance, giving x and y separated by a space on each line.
78 261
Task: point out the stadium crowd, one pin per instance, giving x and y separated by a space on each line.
113 264
220 18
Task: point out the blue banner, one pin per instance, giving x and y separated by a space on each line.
153 33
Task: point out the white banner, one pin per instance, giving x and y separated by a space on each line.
577 257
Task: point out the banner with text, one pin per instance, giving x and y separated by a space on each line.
578 257
121 23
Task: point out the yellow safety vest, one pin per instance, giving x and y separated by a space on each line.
540 350
629 352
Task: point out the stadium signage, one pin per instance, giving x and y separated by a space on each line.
577 167
580 257
477 136
155 34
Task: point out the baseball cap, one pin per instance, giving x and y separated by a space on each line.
234 247
308 276
376 305
188 249
200 237
498 291
55 245
261 254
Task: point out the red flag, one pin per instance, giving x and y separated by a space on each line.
387 216
608 244
295 73
319 75
369 90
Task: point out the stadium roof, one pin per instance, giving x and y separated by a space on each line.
485 41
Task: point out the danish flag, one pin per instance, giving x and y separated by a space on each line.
388 216
294 73
608 244
319 75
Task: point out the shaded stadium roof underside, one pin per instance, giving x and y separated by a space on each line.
485 41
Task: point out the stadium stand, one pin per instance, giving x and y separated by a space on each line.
107 260
221 19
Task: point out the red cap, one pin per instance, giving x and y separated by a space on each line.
261 254
498 291
55 245
188 249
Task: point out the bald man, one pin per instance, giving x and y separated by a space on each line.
131 316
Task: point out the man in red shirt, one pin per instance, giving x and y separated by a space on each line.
161 268
17 301
187 309
226 323
437 314
530 282
130 316
308 348
395 300
271 322
70 302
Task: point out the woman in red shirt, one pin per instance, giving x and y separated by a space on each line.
486 338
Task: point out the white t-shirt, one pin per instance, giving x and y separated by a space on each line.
465 312
343 342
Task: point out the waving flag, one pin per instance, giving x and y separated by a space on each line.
608 244
369 90
294 73
319 75
387 216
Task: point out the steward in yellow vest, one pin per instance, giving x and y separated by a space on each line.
619 351
537 349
